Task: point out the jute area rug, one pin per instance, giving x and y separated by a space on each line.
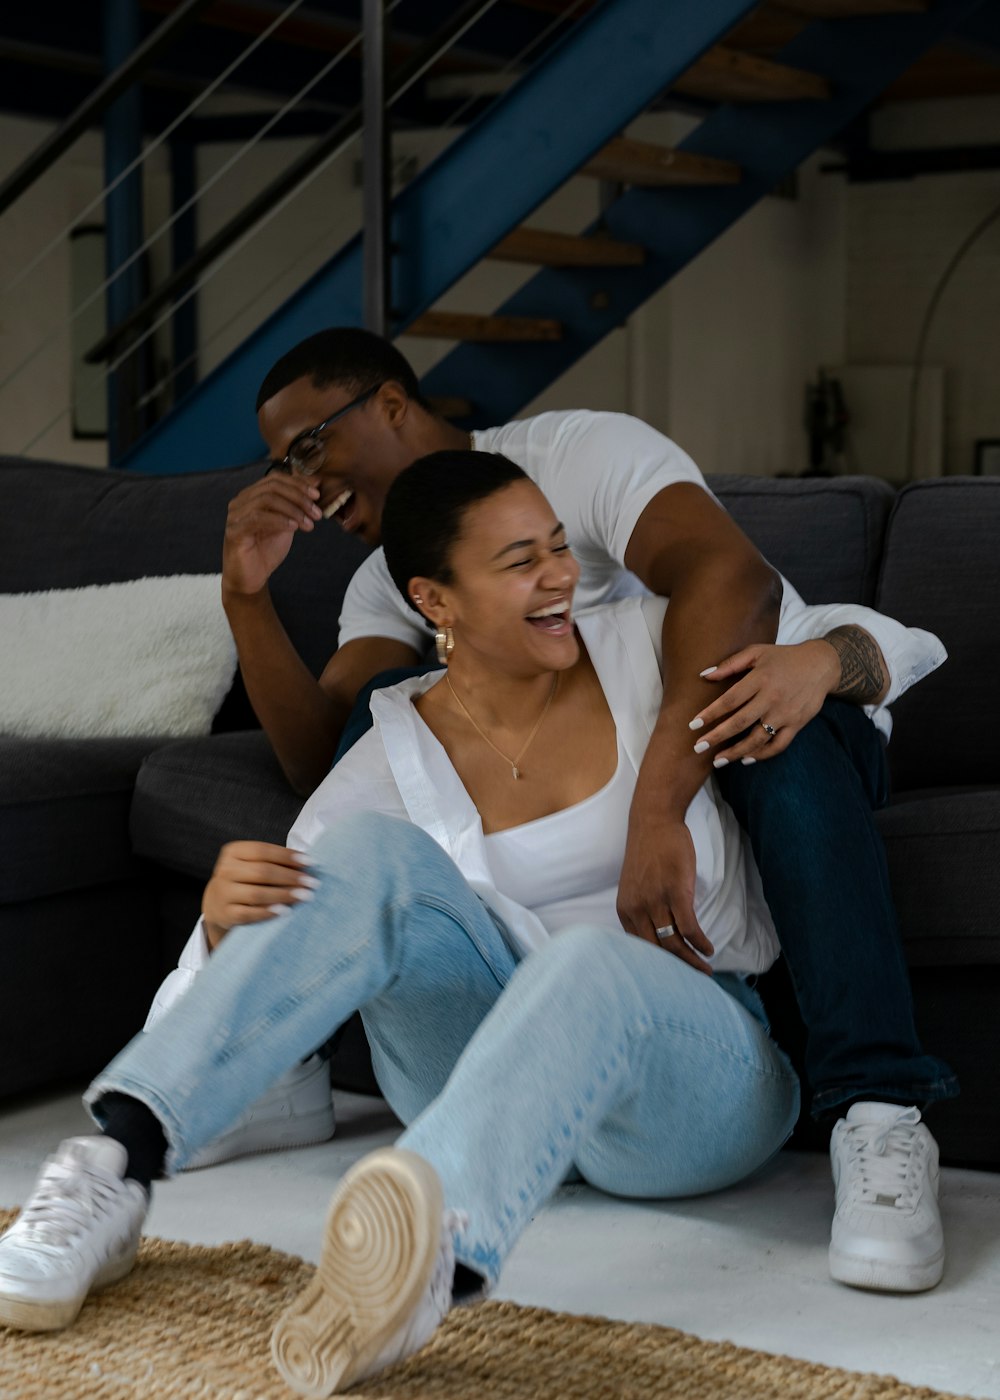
193 1322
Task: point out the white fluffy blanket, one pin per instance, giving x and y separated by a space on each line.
152 656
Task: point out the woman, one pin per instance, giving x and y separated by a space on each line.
484 813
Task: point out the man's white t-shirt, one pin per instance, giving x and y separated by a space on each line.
599 472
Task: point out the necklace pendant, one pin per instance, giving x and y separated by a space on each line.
514 772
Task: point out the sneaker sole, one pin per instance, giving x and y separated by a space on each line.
883 1277
36 1315
381 1239
274 1135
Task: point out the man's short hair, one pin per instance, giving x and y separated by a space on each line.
344 355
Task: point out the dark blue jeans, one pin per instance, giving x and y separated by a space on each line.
360 719
809 816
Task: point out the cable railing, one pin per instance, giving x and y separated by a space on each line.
307 258
165 227
403 85
99 101
149 149
142 330
316 156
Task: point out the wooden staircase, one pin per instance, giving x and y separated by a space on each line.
772 84
723 74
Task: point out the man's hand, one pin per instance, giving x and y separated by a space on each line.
656 888
782 686
261 524
253 881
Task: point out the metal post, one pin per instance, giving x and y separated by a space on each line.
123 218
375 159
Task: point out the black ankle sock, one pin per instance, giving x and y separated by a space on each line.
466 1281
139 1131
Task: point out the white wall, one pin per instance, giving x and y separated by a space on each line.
728 346
901 237
34 316
35 358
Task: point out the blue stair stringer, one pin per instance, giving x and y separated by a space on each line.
769 141
608 68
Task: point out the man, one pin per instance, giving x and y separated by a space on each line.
342 416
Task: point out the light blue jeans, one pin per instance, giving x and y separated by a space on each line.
598 1051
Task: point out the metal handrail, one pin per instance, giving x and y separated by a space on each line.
409 73
99 101
183 117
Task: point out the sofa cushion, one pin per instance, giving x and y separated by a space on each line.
942 850
79 971
76 526
941 570
823 533
116 660
193 795
64 808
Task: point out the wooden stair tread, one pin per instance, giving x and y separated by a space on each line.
464 325
643 163
548 249
728 75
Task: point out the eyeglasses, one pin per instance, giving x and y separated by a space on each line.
307 453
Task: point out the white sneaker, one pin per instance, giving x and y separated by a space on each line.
384 1281
887 1226
297 1111
79 1231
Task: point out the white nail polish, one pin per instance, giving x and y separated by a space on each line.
278 909
747 761
708 670
302 894
309 882
698 723
303 857
702 745
720 763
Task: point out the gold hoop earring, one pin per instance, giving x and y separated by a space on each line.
444 644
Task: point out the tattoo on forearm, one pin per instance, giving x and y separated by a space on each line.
863 675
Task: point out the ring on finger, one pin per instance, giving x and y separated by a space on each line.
768 729
667 931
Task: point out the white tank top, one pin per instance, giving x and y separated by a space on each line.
565 867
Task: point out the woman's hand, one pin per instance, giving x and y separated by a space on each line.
253 881
656 890
779 686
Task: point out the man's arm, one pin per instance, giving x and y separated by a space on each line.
303 717
722 595
844 650
863 675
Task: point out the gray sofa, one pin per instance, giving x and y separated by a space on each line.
107 843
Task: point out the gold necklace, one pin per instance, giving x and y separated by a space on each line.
515 772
